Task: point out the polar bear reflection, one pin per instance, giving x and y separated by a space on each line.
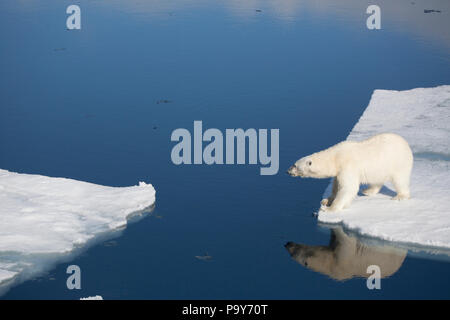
346 257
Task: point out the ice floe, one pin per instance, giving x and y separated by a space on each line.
43 219
422 117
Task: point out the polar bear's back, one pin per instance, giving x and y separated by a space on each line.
378 158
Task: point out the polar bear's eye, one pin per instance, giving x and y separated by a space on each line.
309 163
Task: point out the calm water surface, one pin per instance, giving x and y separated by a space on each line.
83 105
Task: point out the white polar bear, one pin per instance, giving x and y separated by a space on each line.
381 158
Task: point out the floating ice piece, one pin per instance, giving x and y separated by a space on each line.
204 257
97 297
422 117
43 218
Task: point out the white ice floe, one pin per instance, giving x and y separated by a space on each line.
422 117
44 218
93 298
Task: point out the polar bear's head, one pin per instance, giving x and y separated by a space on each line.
317 258
317 165
302 168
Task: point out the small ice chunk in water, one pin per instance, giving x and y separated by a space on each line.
97 297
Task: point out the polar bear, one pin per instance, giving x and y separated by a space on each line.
381 158
346 257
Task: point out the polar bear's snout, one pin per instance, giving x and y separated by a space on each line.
294 171
300 252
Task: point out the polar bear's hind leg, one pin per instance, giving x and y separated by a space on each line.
401 184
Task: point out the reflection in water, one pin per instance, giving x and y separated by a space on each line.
401 15
32 266
347 257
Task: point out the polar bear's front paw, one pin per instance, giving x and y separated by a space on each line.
332 208
326 209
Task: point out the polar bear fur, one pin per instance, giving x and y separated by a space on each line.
379 159
347 257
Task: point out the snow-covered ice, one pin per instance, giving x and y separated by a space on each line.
422 117
44 218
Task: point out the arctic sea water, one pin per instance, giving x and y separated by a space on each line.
99 105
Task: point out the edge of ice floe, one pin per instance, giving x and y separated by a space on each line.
9 278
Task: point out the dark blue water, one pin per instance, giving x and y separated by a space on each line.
83 104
